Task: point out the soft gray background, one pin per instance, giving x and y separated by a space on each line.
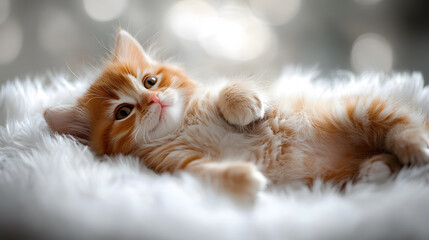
212 38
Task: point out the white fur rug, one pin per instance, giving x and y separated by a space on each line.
53 187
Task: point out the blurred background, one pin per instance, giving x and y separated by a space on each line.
218 38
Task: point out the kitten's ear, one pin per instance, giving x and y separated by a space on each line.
127 48
69 120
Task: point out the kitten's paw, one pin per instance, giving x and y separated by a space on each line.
376 172
241 104
412 147
378 168
243 181
414 155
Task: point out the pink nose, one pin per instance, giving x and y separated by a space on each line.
153 98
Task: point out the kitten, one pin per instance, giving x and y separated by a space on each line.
236 137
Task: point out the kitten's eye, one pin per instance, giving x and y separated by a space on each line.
149 81
123 112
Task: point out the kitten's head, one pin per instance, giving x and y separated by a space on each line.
134 101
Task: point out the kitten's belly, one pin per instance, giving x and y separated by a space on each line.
224 144
285 155
282 154
272 153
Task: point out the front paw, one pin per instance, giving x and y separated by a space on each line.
243 181
240 104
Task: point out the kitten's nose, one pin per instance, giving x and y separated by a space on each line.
152 98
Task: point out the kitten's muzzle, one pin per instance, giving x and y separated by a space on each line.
152 98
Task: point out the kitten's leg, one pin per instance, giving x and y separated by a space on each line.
378 168
241 103
242 180
409 142
386 126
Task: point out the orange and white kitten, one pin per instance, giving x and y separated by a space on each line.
236 137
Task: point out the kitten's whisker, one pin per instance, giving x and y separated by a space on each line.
138 127
93 66
72 71
104 47
151 39
140 30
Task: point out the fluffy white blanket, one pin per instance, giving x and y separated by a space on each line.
53 187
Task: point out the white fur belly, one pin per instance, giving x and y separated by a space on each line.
219 142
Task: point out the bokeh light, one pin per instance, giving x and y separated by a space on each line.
238 36
229 32
10 41
192 20
105 10
275 12
58 32
371 52
225 37
4 10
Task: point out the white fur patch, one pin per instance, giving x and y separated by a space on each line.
156 124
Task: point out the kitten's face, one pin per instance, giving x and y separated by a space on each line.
134 101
